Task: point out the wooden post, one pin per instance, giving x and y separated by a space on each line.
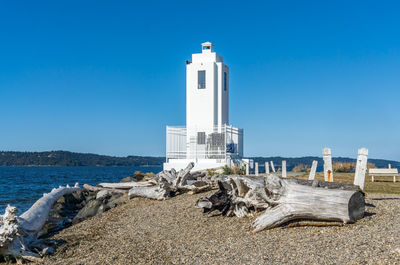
256 169
284 173
313 170
266 167
272 167
361 167
327 156
247 169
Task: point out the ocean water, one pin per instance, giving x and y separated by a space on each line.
22 186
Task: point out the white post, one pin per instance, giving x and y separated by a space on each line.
266 167
284 174
313 170
247 169
361 167
256 169
272 167
390 166
327 156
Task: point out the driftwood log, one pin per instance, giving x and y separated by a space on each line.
283 200
93 188
19 234
128 185
167 183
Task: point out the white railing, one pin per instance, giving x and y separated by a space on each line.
218 142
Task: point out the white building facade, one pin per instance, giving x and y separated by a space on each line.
207 140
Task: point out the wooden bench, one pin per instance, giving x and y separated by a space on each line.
383 172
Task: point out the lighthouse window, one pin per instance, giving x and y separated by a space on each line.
201 79
225 81
201 138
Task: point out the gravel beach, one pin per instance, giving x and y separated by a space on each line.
173 231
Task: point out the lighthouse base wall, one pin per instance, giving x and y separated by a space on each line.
199 164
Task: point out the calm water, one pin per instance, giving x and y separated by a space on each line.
22 186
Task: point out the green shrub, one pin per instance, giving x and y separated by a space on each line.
227 170
211 172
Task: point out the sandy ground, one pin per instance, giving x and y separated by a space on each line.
144 231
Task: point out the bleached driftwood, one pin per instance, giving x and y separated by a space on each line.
283 200
128 185
171 182
17 234
284 171
313 170
327 157
155 193
361 168
93 188
168 183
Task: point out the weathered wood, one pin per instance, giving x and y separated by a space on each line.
33 219
200 189
93 188
155 193
169 183
324 184
266 167
272 166
17 234
327 157
284 174
361 167
183 175
376 172
128 185
313 170
256 169
293 201
283 200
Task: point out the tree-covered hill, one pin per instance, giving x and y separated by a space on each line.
65 158
307 160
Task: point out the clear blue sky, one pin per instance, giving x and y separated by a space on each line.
107 76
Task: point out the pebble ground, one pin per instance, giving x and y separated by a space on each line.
144 231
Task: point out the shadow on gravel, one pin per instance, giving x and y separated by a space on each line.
370 205
366 214
385 199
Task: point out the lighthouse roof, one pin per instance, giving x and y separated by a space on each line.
207 44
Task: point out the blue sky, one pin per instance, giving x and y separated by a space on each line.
107 76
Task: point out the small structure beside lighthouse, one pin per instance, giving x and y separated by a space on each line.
207 140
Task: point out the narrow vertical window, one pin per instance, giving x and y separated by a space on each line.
201 138
201 79
225 81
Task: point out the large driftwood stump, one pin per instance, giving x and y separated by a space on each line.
283 200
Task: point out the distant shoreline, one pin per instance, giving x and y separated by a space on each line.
71 159
82 166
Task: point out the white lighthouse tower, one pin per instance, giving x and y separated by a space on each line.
207 140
